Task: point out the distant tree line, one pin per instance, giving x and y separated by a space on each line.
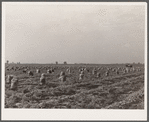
7 62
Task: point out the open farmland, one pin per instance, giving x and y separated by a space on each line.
122 90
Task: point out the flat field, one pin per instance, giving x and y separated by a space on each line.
116 91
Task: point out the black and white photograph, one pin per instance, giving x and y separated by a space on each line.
74 61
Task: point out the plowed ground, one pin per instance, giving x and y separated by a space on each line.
123 91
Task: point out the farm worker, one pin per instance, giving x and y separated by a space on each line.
14 83
9 78
62 76
42 79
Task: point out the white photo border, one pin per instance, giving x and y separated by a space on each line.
71 114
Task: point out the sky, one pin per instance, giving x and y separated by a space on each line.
75 33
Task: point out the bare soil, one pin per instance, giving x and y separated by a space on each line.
122 91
